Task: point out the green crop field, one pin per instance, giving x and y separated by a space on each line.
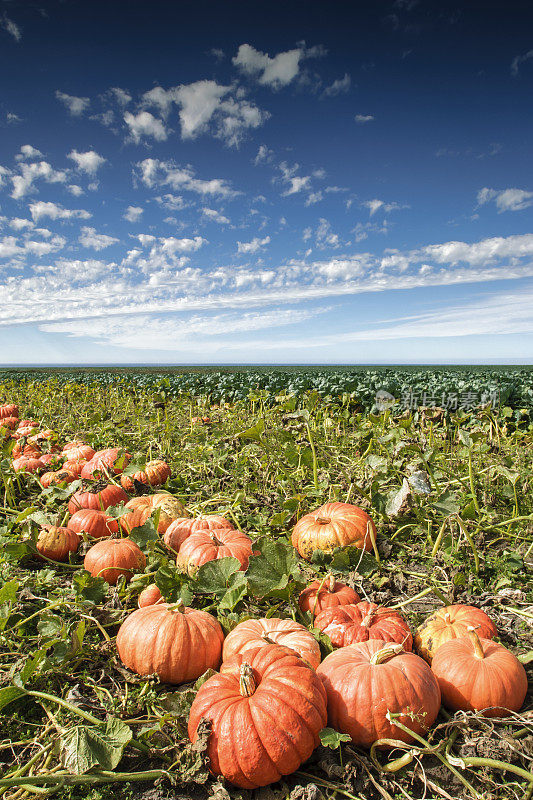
441 463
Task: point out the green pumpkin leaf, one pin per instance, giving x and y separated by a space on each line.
272 567
254 433
333 739
88 588
86 747
9 694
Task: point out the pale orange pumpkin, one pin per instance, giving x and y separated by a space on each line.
111 558
331 526
112 460
183 527
9 410
204 546
141 508
326 593
54 478
451 622
150 596
57 543
254 633
74 451
155 473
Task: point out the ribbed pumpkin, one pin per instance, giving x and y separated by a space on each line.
367 680
155 473
57 543
143 507
75 451
451 622
50 460
204 546
174 642
266 714
27 464
99 499
111 461
326 593
54 478
333 525
183 527
253 633
111 558
9 422
25 448
479 675
95 523
150 596
74 467
9 410
357 623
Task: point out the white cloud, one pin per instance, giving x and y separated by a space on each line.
254 246
75 105
14 247
11 27
54 211
173 202
340 86
27 151
155 173
75 190
37 170
362 118
173 245
325 236
277 71
19 224
213 215
264 155
120 95
380 205
518 60
295 183
506 199
96 241
12 118
88 162
145 124
133 213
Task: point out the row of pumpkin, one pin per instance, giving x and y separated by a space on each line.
272 694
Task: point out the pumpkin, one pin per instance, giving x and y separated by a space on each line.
57 543
155 473
9 410
174 642
204 546
100 498
27 464
143 507
362 621
266 714
50 458
477 674
24 448
451 622
367 680
78 450
183 527
254 633
42 436
111 558
57 477
75 467
113 460
326 593
97 524
333 525
150 596
9 422
26 426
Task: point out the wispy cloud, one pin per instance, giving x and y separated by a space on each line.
75 105
506 199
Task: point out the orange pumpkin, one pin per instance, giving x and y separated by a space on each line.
9 422
57 543
9 410
357 623
111 461
176 643
27 464
265 713
57 477
155 473
183 527
111 558
479 675
204 546
30 450
326 593
95 523
78 450
253 633
331 526
75 467
99 499
451 622
143 507
150 596
367 680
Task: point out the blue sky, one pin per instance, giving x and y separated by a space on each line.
281 182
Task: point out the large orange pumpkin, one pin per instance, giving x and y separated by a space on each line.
111 558
176 643
57 543
183 527
113 460
24 448
27 464
204 546
479 675
357 623
254 633
141 508
333 525
74 467
9 422
99 499
78 450
265 713
451 622
95 523
326 593
366 681
154 474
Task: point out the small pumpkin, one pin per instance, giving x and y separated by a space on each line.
150 596
111 558
99 498
451 622
26 427
9 410
74 451
204 546
56 477
326 593
477 674
362 621
9 422
27 464
367 680
111 461
331 526
176 643
95 523
74 467
141 508
254 633
57 543
266 714
183 527
25 448
155 473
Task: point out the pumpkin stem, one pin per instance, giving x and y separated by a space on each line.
474 638
214 539
389 651
179 606
247 684
266 638
322 520
366 622
447 618
331 583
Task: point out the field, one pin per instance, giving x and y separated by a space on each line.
448 486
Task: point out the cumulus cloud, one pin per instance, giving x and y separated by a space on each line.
506 199
19 224
254 246
27 151
75 105
30 172
121 96
212 215
155 173
361 119
145 124
295 183
518 60
11 27
133 213
96 241
264 155
276 71
88 162
42 209
340 86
